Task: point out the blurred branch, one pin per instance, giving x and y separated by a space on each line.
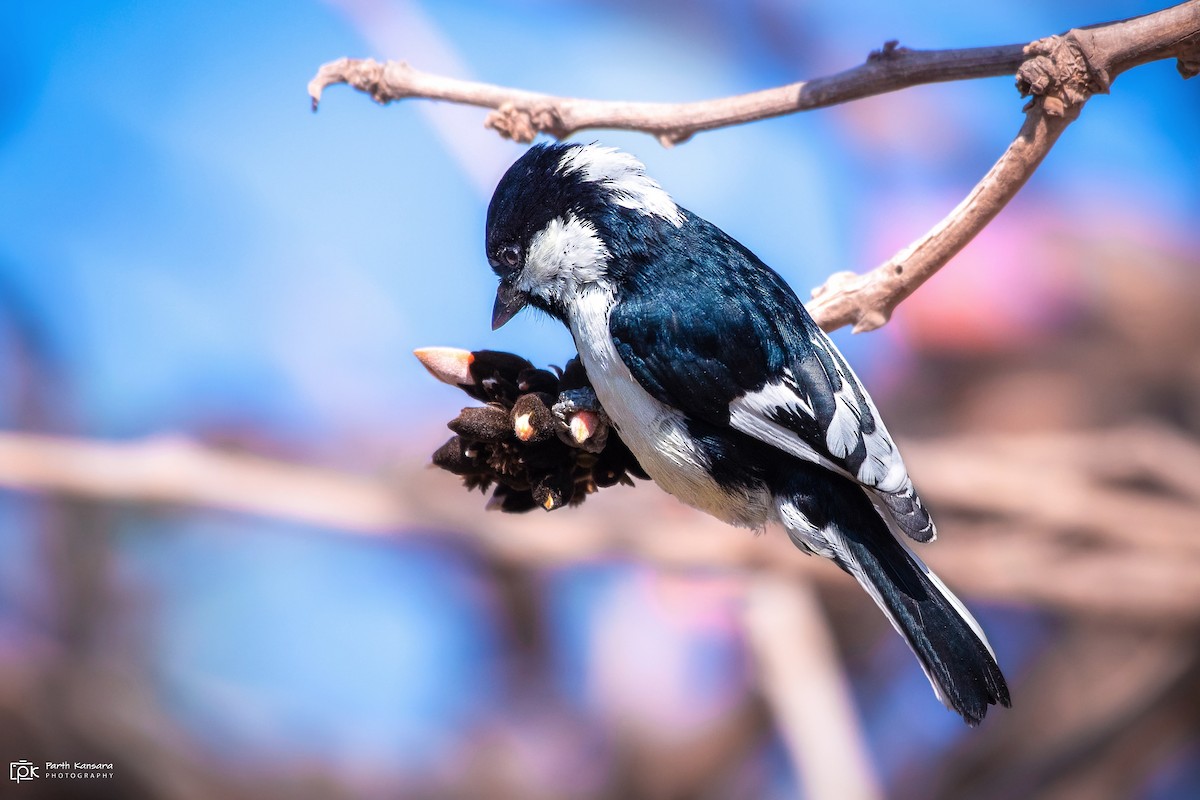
807 690
178 471
1060 525
1060 72
1101 710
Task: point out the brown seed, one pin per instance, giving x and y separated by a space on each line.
584 425
455 457
574 376
497 364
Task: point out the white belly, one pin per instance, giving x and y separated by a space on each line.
655 432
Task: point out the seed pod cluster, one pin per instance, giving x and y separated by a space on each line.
541 439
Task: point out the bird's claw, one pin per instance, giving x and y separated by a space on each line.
582 421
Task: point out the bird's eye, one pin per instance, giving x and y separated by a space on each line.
510 256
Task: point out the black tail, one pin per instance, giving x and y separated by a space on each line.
952 649
947 640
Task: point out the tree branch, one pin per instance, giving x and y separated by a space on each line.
1061 72
1103 50
867 301
521 115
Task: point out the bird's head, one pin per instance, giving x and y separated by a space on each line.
564 218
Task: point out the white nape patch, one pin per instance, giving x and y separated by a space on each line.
564 257
626 179
655 432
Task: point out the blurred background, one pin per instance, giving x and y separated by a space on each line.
189 255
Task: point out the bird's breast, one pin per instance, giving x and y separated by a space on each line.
656 433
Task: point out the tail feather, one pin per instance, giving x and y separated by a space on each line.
948 642
832 517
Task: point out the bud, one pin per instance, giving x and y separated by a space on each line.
448 364
482 423
532 418
455 456
554 490
511 501
537 380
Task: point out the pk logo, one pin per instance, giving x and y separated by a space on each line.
22 771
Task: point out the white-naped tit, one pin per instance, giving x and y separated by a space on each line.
725 390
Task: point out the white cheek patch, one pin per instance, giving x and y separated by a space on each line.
565 256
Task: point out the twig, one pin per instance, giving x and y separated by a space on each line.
867 301
1100 53
806 688
521 115
1061 72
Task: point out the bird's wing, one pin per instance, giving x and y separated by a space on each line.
741 351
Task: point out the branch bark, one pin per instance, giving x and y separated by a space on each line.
867 301
1060 72
521 115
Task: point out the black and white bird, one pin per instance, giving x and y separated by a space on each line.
723 387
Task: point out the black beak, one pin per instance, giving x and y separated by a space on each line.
509 300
